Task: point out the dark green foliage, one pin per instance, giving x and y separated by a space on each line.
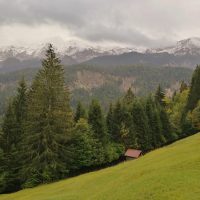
86 150
155 137
80 112
166 127
49 122
140 126
128 98
159 96
113 151
116 121
13 133
192 101
96 120
2 170
195 117
194 94
110 121
183 86
10 164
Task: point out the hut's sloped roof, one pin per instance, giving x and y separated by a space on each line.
133 153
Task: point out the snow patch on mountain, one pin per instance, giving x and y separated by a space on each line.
77 51
190 46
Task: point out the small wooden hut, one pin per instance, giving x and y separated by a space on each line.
133 154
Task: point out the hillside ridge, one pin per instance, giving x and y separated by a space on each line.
170 173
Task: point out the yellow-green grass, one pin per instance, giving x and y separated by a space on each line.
169 173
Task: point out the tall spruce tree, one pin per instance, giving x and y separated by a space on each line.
159 96
20 111
3 171
49 121
183 86
194 93
10 180
153 122
117 122
80 112
140 124
12 137
193 98
167 131
110 121
128 98
195 117
86 150
96 120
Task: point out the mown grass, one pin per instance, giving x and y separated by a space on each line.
169 173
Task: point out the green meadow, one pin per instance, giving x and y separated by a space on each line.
169 173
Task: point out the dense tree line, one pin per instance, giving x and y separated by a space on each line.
183 108
43 140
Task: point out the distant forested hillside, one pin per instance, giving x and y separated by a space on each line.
106 83
147 59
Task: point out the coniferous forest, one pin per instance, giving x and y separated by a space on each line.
42 139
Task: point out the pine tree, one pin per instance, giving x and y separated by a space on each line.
96 120
13 133
80 112
154 125
159 96
49 121
20 111
166 126
183 86
10 180
9 129
110 121
87 151
193 98
128 98
117 121
3 171
140 123
194 94
195 115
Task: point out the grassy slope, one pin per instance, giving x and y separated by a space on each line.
172 173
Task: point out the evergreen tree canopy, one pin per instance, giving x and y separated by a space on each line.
183 86
117 121
128 98
96 120
196 117
9 143
159 96
194 94
87 151
140 124
49 121
110 120
80 112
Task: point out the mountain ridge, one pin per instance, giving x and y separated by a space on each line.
185 53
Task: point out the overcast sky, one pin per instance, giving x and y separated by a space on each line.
142 23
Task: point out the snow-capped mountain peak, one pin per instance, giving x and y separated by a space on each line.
78 51
189 46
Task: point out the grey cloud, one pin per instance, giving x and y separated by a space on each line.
139 22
